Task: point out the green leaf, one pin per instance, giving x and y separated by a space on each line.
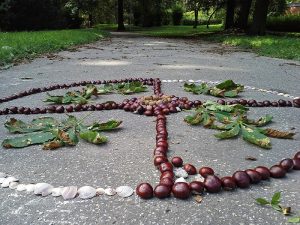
54 99
193 119
93 137
255 137
18 126
131 87
276 198
89 91
262 201
294 220
276 207
28 139
110 125
278 134
107 88
233 132
227 84
261 121
223 117
203 88
217 92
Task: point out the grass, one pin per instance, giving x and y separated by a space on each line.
284 47
16 46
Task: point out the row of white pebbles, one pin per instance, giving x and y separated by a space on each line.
246 87
85 192
70 192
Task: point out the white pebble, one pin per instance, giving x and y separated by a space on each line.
30 188
181 179
13 185
21 187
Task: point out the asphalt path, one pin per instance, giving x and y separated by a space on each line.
127 158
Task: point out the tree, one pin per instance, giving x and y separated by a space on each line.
259 17
121 26
243 14
229 20
195 5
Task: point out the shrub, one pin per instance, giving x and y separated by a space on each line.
287 23
177 14
167 17
200 22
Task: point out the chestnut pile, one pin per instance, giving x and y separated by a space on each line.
211 183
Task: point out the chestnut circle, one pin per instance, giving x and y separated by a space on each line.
166 186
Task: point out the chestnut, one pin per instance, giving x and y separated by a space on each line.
242 179
69 108
144 190
205 171
166 166
296 162
297 155
228 183
177 161
196 187
59 109
255 177
181 190
190 169
162 191
159 160
277 171
167 181
212 184
166 174
263 171
287 164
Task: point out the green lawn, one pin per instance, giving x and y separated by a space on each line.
20 45
284 46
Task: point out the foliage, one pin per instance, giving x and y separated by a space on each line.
286 23
233 121
82 97
277 7
20 45
54 134
225 89
177 14
36 15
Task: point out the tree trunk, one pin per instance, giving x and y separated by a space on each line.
260 17
229 21
121 26
196 18
243 14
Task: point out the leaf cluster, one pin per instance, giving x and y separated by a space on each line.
82 97
233 122
54 134
225 89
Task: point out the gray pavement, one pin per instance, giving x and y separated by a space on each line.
127 158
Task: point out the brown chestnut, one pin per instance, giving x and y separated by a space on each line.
255 177
144 190
196 187
162 191
296 163
159 160
228 183
205 171
297 155
212 184
263 171
166 166
181 190
277 171
190 169
287 164
177 161
242 179
167 181
168 174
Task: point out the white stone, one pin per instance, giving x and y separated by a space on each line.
179 172
110 191
86 192
21 187
30 188
124 191
43 189
181 179
13 185
56 192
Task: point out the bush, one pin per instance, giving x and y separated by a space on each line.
36 15
167 17
201 22
177 14
288 23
